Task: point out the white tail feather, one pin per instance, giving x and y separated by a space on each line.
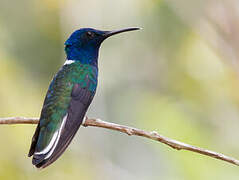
54 141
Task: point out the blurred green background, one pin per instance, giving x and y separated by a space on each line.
178 76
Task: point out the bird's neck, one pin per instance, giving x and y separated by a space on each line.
85 56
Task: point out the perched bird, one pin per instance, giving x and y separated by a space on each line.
69 95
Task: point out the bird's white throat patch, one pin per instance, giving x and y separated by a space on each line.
69 62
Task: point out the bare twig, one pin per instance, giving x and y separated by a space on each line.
18 120
132 131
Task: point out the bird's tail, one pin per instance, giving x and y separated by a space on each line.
58 144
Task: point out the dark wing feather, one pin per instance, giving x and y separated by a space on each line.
80 101
34 141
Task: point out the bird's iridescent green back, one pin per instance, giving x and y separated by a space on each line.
59 96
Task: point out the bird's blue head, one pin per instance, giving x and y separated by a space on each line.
83 44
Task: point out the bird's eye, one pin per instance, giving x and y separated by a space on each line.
90 34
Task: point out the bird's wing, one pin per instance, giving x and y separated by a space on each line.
49 140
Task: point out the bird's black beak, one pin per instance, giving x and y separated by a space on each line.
111 33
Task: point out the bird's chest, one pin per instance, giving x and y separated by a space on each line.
84 75
76 73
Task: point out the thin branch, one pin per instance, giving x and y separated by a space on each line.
132 131
18 120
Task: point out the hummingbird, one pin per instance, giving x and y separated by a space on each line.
69 95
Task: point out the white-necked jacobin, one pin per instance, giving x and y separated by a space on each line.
69 95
